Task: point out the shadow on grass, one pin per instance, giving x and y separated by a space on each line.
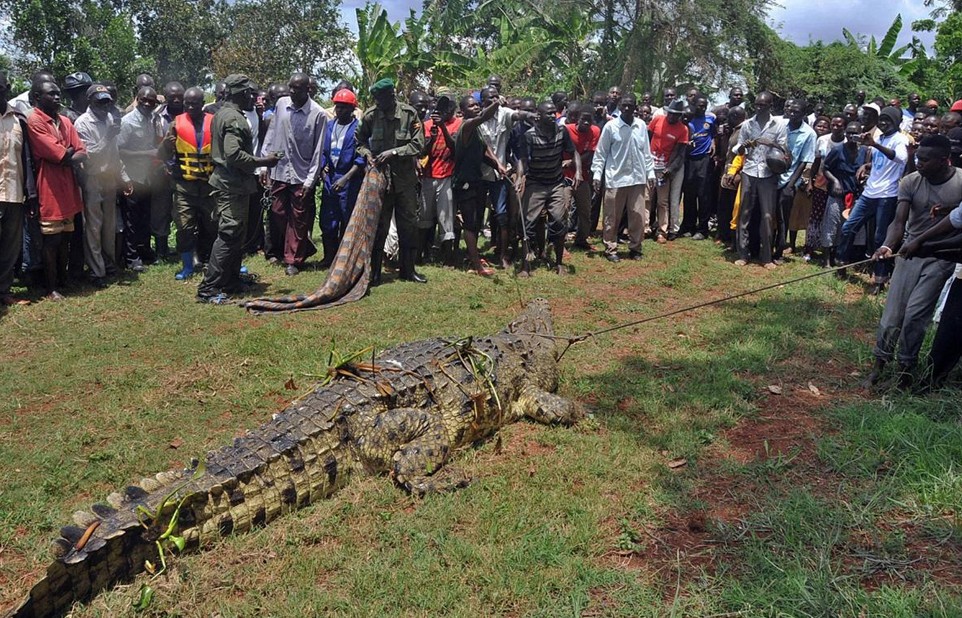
801 550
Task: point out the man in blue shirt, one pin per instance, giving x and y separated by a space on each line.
698 194
801 143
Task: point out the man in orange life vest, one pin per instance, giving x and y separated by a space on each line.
186 151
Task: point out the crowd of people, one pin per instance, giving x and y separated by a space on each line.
86 186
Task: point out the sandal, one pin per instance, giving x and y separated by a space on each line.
484 271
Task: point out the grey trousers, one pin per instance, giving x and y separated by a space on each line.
11 242
757 194
913 294
100 224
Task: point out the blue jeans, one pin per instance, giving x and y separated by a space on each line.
498 193
882 211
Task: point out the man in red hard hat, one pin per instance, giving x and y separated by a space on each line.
342 170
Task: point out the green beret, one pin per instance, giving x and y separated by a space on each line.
382 84
236 84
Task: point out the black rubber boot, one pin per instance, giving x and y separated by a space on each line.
407 267
376 258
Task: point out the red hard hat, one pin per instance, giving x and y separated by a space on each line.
957 106
345 96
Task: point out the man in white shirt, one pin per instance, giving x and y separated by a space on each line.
880 196
623 159
759 136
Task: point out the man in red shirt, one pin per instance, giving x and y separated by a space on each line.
437 204
56 148
669 141
584 133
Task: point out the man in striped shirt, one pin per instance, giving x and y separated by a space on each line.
541 179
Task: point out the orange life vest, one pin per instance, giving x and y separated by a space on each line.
193 159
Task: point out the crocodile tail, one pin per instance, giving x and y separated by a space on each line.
268 472
104 546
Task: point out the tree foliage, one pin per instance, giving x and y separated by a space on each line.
188 40
179 36
270 39
69 35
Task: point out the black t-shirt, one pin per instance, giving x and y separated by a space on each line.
468 158
542 154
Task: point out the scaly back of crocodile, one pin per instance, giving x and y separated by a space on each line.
307 452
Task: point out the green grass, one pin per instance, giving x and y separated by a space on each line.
559 522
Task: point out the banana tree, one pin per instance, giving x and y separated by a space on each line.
379 45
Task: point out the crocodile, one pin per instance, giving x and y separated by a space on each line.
402 414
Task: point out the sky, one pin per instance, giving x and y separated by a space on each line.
797 20
802 20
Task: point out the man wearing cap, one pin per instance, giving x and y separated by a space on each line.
760 135
869 114
297 130
75 88
232 180
56 149
342 169
104 174
669 142
186 153
880 196
17 186
436 192
924 198
391 135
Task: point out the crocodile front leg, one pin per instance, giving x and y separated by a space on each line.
543 407
413 445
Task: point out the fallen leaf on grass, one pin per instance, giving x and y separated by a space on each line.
675 464
775 389
176 443
289 385
814 389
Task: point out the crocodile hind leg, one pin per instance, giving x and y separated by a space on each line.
413 444
544 407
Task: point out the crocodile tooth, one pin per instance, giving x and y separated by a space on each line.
60 548
72 533
134 494
103 510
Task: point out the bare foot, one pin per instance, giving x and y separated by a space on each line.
561 270
524 273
